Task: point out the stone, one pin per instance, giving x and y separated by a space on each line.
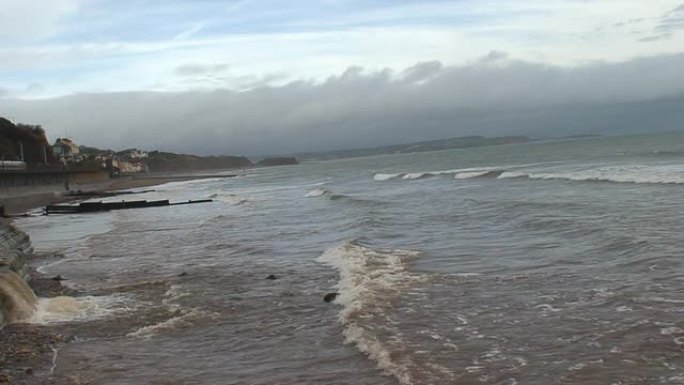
330 297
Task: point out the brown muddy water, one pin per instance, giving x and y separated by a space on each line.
544 263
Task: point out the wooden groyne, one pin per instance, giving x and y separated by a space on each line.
92 207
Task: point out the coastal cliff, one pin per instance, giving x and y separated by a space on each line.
165 161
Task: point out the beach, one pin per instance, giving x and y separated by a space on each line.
26 349
538 263
21 200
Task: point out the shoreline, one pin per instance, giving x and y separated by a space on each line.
27 350
27 199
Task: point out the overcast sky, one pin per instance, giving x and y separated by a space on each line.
258 77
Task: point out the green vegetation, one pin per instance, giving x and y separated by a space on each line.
165 161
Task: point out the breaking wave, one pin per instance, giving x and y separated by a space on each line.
316 193
67 309
230 199
464 173
622 174
184 318
369 280
637 174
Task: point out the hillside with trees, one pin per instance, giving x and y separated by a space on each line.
29 139
165 162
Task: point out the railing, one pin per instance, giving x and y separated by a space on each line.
12 165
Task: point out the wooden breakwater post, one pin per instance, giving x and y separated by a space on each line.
92 207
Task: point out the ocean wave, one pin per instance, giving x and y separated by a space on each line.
316 193
185 318
463 173
624 174
230 199
369 279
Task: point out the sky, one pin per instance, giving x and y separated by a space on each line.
272 77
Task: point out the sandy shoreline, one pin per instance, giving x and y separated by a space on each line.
25 200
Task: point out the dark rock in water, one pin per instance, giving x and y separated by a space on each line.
57 278
330 297
183 274
271 276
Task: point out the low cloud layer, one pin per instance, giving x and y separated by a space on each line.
495 95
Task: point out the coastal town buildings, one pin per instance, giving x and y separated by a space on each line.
67 151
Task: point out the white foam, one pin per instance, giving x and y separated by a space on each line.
230 199
66 309
383 177
513 174
316 193
668 331
184 319
416 175
637 174
460 173
368 280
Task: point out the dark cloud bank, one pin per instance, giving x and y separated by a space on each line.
492 96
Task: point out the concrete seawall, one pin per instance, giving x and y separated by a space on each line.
22 191
16 298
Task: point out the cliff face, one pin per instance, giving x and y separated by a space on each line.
32 139
166 161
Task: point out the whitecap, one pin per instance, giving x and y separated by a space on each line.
67 309
316 193
368 279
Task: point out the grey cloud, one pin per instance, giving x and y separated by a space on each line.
668 24
662 36
359 109
494 56
201 69
422 71
678 9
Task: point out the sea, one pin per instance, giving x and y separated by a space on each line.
555 262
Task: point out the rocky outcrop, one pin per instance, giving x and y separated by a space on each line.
165 161
279 161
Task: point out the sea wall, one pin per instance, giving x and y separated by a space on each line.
17 300
17 179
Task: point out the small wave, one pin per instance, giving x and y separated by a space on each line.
479 174
231 199
316 193
368 280
613 174
463 173
383 177
67 309
184 319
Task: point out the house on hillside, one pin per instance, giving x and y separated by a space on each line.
67 151
133 153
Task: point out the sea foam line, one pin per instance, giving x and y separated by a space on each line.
369 279
461 173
